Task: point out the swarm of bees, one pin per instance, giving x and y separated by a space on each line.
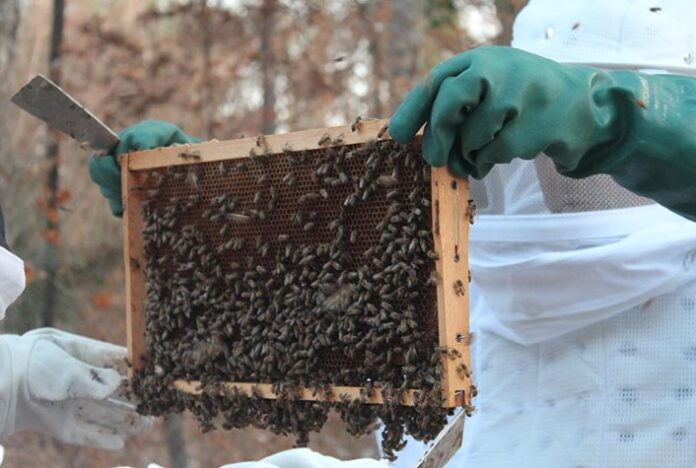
301 269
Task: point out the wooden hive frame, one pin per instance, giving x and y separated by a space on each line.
450 217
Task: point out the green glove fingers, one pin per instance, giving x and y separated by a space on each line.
414 111
495 104
104 171
450 111
148 134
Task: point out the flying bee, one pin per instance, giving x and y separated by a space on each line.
338 140
471 211
466 338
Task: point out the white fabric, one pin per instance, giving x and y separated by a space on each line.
12 279
620 393
610 379
540 289
306 458
655 34
64 385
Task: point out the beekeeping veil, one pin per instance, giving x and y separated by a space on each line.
12 278
550 254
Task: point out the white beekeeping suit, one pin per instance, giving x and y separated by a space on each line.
584 293
57 383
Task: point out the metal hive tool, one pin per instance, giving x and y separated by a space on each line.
262 264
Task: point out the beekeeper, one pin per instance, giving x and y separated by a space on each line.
585 288
57 383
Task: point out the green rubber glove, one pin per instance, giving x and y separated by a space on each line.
148 134
494 104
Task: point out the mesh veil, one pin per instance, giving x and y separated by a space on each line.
535 187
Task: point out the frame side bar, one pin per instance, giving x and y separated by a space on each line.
133 257
451 236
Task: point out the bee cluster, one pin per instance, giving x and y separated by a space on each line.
302 269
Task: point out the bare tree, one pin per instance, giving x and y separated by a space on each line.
267 58
51 234
206 44
9 24
507 10
366 12
176 443
402 49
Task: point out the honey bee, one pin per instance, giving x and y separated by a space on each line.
383 131
355 126
325 138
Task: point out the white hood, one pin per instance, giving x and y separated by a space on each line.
636 34
12 279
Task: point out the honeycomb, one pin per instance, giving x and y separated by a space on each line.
303 268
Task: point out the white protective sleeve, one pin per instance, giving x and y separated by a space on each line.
12 279
306 458
64 385
544 276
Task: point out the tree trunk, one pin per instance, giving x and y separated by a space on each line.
206 44
402 49
9 25
507 10
176 444
366 13
267 57
51 252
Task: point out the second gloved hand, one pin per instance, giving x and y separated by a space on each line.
63 385
148 134
494 104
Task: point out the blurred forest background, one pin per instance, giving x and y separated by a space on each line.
218 68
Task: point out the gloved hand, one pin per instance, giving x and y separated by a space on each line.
148 134
61 385
493 104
